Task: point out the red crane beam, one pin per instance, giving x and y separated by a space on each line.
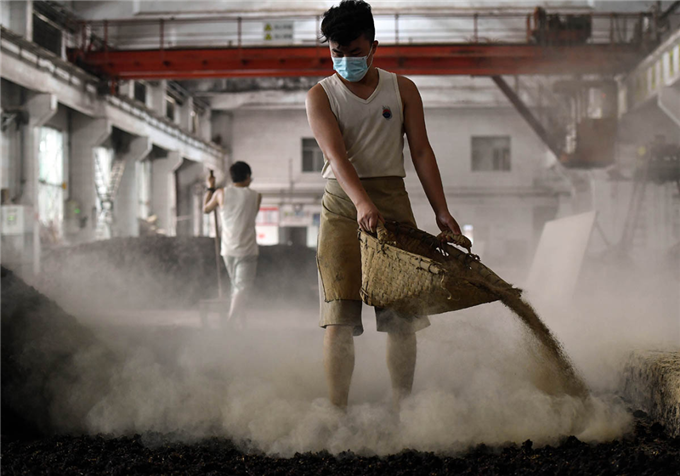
451 59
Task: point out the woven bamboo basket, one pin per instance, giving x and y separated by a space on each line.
413 272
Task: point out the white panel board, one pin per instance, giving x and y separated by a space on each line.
557 263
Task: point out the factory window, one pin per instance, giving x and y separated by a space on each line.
143 177
51 184
312 157
46 34
491 153
140 92
170 105
103 160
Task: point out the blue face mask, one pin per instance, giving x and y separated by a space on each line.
353 69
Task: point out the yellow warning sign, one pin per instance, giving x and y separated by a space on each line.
278 31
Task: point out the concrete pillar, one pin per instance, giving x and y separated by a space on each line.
18 17
185 114
156 95
12 143
204 126
40 108
86 134
125 205
127 89
163 194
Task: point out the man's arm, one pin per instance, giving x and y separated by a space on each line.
423 155
214 199
327 133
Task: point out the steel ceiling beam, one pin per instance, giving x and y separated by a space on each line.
451 59
528 116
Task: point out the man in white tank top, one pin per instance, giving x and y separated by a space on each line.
359 117
238 207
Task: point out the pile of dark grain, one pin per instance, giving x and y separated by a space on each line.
158 272
647 451
53 369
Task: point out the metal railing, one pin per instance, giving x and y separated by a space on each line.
394 29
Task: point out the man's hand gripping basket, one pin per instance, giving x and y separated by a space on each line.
413 272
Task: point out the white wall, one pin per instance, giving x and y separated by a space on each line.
271 142
450 132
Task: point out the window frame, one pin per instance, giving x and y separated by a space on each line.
140 84
52 193
493 158
318 157
171 103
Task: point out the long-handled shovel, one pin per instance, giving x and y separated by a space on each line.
218 305
217 251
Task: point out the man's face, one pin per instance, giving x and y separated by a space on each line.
356 49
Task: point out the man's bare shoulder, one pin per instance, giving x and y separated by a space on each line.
317 95
405 84
407 89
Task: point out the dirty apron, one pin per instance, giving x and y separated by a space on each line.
339 255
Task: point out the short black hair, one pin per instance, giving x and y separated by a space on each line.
347 22
240 171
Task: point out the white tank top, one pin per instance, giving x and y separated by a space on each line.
373 128
238 222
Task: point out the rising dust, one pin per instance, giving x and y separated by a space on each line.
265 389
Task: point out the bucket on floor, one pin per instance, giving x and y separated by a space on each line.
414 272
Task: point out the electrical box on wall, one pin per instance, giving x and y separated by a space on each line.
16 229
14 219
74 218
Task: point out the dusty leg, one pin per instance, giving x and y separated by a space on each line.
238 300
338 356
401 362
242 279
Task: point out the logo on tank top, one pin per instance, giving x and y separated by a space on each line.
387 112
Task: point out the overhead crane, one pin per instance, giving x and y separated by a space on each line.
575 45
546 46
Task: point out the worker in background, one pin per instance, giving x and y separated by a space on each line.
358 117
238 205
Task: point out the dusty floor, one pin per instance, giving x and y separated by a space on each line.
648 450
153 371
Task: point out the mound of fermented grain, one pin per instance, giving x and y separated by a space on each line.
649 450
159 272
53 369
